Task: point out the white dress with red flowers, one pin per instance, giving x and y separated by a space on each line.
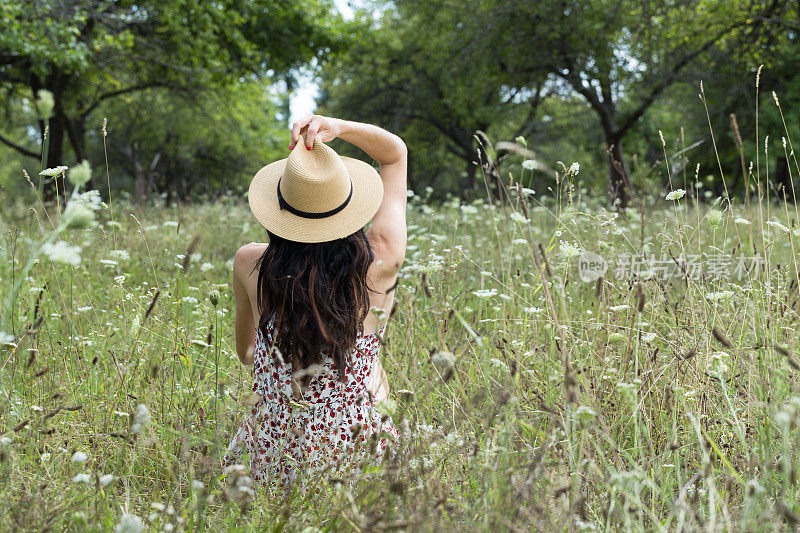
330 432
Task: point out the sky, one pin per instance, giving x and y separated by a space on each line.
303 99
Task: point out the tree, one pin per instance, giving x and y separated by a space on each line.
87 52
451 67
619 55
408 72
210 142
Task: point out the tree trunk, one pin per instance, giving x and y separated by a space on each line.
620 189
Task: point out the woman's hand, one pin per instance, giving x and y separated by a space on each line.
316 127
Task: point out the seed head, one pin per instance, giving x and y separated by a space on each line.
78 216
214 297
45 102
714 218
129 523
80 174
444 361
141 418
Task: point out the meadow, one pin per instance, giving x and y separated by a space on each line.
527 399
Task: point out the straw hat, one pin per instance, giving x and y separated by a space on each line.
315 195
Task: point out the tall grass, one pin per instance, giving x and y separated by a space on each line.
620 404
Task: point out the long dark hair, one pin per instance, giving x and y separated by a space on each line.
318 296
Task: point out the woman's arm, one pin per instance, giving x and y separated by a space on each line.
387 234
243 327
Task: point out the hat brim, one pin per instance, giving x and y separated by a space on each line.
367 196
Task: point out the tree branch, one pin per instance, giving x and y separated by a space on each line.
634 116
119 92
19 148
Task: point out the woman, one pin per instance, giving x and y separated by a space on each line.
308 303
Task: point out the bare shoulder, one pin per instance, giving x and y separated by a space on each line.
246 258
389 258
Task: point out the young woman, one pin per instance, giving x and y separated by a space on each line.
311 304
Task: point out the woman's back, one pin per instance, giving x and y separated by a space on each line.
328 428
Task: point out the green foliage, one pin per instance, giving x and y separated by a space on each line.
438 71
192 144
88 54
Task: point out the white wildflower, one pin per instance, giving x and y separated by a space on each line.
716 364
55 171
205 267
518 217
454 439
584 413
82 478
533 310
485 293
45 457
574 168
5 441
61 252
80 174
619 307
90 199
78 215
677 194
530 164
129 523
136 324
497 363
120 255
778 225
569 249
721 295
107 479
119 279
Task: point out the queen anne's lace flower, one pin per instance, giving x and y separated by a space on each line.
677 194
55 171
61 252
80 174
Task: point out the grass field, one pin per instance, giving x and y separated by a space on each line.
615 404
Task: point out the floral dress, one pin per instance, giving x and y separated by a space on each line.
330 432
